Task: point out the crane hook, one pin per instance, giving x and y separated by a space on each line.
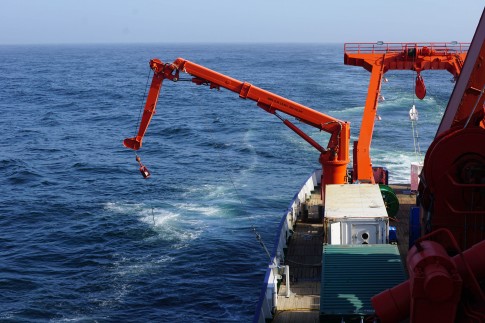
143 170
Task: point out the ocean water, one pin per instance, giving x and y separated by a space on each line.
86 239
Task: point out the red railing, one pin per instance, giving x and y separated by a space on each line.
382 48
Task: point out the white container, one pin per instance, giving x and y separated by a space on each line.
355 214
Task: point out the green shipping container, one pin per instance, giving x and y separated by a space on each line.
352 274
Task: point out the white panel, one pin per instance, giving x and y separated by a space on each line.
335 233
415 171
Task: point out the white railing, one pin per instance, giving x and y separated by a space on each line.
268 299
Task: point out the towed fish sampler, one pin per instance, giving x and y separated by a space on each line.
336 257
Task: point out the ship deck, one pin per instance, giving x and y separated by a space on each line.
304 257
401 222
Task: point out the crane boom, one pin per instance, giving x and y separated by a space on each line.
334 158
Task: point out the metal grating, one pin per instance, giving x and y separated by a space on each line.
352 274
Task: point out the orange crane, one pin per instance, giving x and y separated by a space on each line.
376 58
380 57
334 158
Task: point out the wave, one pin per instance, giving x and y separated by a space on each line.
345 111
133 267
18 171
208 191
398 165
201 210
169 225
124 275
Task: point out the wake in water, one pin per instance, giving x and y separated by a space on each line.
170 223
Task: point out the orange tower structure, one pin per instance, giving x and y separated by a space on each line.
378 58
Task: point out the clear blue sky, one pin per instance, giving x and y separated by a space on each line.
147 21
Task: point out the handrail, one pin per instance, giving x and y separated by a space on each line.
446 48
267 302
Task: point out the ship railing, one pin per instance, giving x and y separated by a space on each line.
443 48
268 298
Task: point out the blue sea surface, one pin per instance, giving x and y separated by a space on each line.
85 238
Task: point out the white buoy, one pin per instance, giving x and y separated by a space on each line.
413 114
